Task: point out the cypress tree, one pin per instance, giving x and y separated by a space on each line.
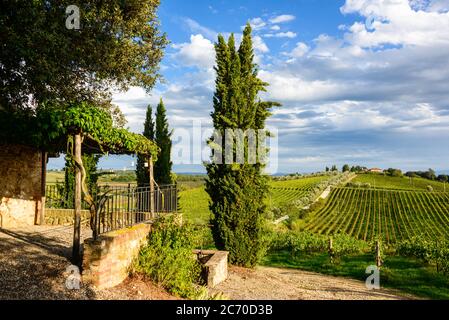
238 191
148 132
163 165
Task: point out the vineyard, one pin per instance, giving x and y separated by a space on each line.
401 183
369 214
284 192
194 202
306 182
282 196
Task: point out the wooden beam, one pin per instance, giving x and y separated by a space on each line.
41 219
77 217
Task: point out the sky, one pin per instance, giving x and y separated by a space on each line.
360 81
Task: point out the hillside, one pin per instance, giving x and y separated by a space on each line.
370 214
387 182
193 202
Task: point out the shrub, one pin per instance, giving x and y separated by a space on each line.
306 242
366 185
344 244
298 242
430 251
168 260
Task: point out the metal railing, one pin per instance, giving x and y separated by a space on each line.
57 198
118 207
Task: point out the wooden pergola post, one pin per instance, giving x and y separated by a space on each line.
40 217
43 185
151 180
77 217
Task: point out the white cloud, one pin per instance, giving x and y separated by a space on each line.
257 23
282 18
288 34
195 27
198 52
259 45
286 86
395 22
300 50
275 28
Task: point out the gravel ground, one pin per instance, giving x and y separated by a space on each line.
265 283
33 264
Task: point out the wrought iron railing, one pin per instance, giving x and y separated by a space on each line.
118 207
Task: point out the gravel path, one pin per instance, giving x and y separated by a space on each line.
33 264
265 283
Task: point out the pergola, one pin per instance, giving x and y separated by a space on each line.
76 130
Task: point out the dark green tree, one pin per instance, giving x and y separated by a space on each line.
345 168
118 44
238 191
142 175
163 165
430 174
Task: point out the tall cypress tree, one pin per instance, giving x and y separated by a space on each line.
163 165
148 131
238 191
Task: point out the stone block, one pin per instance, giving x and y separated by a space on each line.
215 265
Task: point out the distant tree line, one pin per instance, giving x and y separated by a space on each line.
347 168
394 172
429 174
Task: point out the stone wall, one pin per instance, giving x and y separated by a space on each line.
106 261
65 217
20 185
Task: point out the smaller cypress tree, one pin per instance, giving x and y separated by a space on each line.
163 165
148 132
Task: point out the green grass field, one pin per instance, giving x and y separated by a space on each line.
387 182
303 183
194 205
55 177
383 214
406 274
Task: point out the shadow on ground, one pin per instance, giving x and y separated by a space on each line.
33 265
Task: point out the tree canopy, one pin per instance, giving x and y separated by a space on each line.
52 127
117 45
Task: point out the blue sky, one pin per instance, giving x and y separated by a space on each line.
361 81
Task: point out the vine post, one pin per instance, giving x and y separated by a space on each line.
378 255
41 217
331 249
77 217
